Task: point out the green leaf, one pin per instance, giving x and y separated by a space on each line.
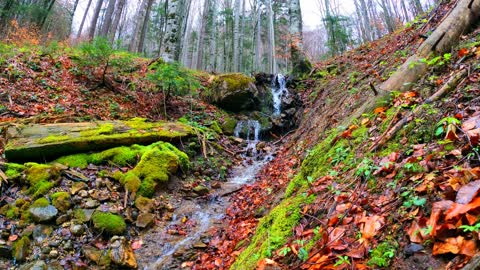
419 201
303 254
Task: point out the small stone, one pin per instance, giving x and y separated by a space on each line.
55 243
68 245
412 248
43 214
216 185
145 205
62 219
261 145
83 193
41 232
201 190
93 254
53 254
121 253
91 203
145 220
77 230
237 140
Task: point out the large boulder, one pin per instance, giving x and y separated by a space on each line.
234 92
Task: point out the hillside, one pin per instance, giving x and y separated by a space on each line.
114 161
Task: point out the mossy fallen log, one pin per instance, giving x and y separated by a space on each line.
46 142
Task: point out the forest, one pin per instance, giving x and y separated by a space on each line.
235 134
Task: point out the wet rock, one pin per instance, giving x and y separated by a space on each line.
238 140
85 214
5 251
41 232
216 185
121 253
145 220
261 145
100 257
201 190
68 245
91 203
77 186
234 92
36 265
43 213
77 229
61 201
101 195
83 193
412 248
145 205
53 254
62 219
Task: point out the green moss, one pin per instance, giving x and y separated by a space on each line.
121 156
13 212
216 127
42 202
156 165
79 215
118 175
61 201
228 125
75 161
104 129
390 113
234 81
54 138
131 182
21 248
109 223
147 188
382 255
14 170
40 188
273 231
40 172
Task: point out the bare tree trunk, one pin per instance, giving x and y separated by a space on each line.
405 12
242 39
272 65
213 46
49 7
258 39
183 18
202 33
93 25
236 35
172 30
300 63
146 18
83 19
116 20
107 22
138 26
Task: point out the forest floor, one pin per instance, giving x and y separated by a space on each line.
331 199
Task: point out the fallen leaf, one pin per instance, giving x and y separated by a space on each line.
380 110
414 234
137 244
437 209
466 193
459 209
462 52
455 245
12 238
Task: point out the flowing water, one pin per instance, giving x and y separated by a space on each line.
204 214
279 89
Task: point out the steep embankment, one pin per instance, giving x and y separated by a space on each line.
336 198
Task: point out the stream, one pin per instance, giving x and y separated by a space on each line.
197 216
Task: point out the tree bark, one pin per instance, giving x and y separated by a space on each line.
300 63
143 34
49 6
83 19
171 32
213 45
236 35
202 33
445 36
272 65
116 20
107 23
93 25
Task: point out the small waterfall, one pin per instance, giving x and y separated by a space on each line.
279 89
250 131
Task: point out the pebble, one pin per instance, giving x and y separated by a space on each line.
77 230
53 254
43 214
83 193
91 203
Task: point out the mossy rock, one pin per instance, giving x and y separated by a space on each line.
228 125
21 249
109 223
61 201
46 142
234 92
14 170
41 178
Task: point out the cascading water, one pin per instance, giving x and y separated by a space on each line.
279 89
251 131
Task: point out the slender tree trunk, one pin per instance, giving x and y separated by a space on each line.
184 12
258 38
213 45
93 25
49 7
241 66
83 19
236 35
272 65
107 22
300 63
116 20
139 19
143 34
202 33
171 32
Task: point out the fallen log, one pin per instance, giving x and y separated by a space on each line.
49 141
465 14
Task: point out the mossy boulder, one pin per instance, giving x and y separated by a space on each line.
13 170
234 92
41 178
228 125
61 201
109 223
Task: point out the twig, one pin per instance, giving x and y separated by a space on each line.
375 92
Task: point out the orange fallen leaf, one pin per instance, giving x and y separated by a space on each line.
462 52
467 192
12 237
455 245
380 110
459 209
137 244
